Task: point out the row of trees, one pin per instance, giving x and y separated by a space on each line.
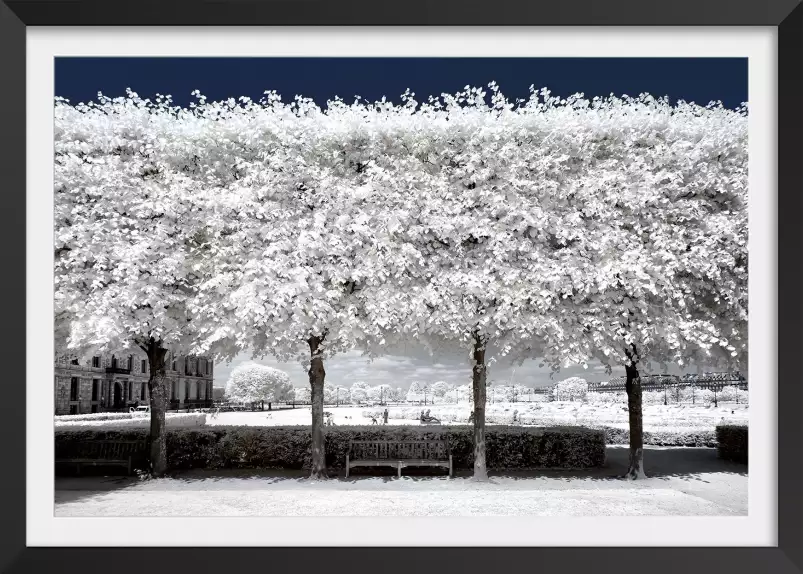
254 383
610 230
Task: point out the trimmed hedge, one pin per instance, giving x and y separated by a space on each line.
732 443
290 447
669 437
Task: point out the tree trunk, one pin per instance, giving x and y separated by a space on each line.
158 402
633 387
478 382
316 379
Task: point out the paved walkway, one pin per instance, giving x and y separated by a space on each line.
683 482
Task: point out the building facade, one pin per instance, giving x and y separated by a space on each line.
113 382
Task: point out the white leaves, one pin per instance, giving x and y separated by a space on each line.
253 382
258 223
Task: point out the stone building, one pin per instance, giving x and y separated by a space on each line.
115 382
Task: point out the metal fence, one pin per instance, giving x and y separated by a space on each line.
710 381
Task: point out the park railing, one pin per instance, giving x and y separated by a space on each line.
713 382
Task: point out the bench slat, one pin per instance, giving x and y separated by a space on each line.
399 450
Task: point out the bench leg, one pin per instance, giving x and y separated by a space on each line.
347 466
399 469
451 473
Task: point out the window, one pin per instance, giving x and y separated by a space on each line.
96 362
130 362
144 366
187 366
73 409
95 389
130 391
114 362
142 392
208 367
173 391
74 389
74 362
173 368
186 390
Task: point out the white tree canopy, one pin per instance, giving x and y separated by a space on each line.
381 392
359 392
302 394
440 388
538 223
571 389
129 214
252 383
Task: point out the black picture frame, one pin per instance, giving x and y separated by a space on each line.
786 15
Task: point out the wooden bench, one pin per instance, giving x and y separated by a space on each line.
103 453
399 454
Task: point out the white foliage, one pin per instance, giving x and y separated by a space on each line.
336 395
440 388
571 230
380 393
302 394
252 383
571 389
359 392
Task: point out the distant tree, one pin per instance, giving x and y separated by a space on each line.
571 389
521 393
302 394
329 392
380 393
336 394
463 393
440 388
359 392
253 383
415 393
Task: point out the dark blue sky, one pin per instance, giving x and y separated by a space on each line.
692 79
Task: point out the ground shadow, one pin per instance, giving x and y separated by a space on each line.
663 462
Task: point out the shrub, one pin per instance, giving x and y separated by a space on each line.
664 437
172 420
732 442
289 447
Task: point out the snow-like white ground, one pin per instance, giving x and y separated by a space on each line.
540 414
683 482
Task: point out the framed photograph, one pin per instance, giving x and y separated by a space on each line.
468 285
